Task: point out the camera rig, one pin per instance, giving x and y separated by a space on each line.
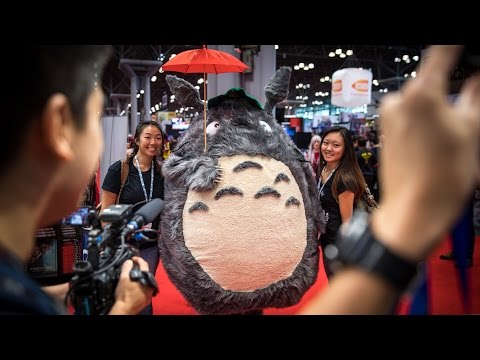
92 287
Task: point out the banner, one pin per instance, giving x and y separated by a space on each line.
351 87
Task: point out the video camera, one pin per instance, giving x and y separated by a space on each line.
92 287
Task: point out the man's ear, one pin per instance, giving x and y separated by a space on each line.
57 126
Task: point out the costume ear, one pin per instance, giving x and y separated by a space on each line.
277 88
184 92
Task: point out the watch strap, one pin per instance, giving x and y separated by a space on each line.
358 246
380 260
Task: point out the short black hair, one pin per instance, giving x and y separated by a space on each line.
36 72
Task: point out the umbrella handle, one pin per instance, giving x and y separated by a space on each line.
204 113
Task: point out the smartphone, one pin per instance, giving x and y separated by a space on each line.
78 217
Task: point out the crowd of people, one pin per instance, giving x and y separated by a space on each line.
54 125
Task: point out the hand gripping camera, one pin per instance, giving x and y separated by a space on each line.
92 287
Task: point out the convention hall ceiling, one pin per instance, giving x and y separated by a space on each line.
389 65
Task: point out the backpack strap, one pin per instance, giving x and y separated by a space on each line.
125 167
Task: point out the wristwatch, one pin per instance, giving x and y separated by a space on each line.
356 245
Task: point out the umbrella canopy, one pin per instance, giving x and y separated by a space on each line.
206 61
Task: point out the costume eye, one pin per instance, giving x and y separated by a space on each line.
213 127
265 126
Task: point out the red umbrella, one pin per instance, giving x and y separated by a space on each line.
204 61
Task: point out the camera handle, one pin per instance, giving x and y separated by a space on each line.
144 277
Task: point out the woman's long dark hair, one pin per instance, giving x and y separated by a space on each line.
348 170
140 127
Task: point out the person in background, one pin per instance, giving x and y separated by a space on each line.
313 154
340 184
144 183
355 139
464 228
165 153
130 146
368 163
54 125
372 141
415 210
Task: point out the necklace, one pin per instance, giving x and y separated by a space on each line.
147 199
322 185
325 171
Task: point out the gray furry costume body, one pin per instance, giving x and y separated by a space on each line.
241 220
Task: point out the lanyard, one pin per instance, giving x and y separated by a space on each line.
141 180
320 189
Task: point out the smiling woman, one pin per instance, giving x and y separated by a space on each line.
340 183
143 183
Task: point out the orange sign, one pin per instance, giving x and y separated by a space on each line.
337 86
361 85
